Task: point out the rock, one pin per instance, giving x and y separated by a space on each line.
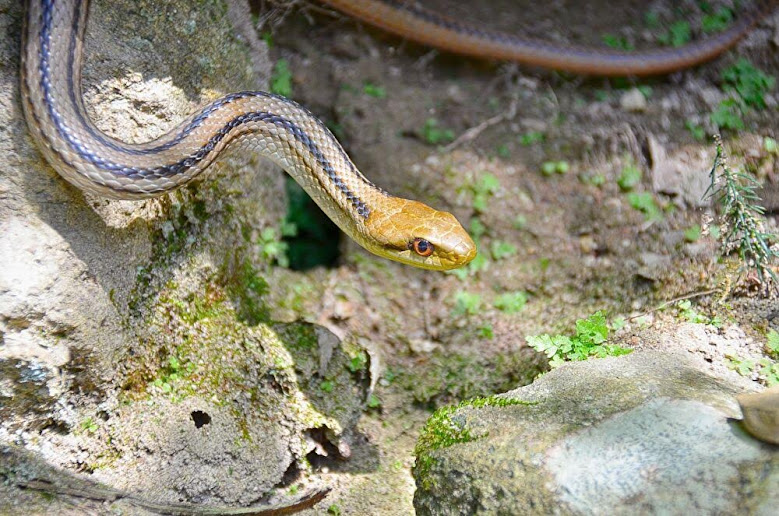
653 266
633 100
685 173
646 433
135 346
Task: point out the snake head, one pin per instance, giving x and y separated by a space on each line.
415 234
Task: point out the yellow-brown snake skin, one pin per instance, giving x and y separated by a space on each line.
288 134
275 127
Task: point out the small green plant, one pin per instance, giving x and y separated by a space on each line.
678 34
478 229
89 425
281 79
374 402
334 509
511 302
652 19
693 233
267 37
594 179
466 303
696 130
618 323
273 249
750 83
589 341
717 21
645 203
358 362
772 345
434 135
747 86
742 221
770 145
372 90
728 115
503 151
501 249
327 386
531 138
486 331
766 370
482 189
629 178
617 42
172 372
689 314
549 168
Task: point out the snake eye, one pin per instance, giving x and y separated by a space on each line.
422 247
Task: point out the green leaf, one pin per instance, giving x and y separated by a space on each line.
501 250
593 329
773 343
718 21
434 135
693 233
770 145
678 34
696 130
645 203
327 386
629 178
466 303
511 302
373 90
281 79
531 138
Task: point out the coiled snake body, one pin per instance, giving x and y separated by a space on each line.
288 134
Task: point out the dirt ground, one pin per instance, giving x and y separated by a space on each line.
575 244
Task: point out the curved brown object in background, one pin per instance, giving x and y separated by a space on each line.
761 414
406 19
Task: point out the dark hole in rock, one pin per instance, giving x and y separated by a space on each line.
315 239
200 418
326 453
291 475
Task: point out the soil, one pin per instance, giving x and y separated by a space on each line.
576 244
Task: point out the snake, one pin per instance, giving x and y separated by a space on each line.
287 133
411 21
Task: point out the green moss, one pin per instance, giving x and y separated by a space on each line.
247 289
442 431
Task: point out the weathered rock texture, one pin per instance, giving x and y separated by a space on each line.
647 433
134 342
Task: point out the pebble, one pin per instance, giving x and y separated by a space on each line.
633 100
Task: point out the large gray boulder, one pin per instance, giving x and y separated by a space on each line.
646 433
135 346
